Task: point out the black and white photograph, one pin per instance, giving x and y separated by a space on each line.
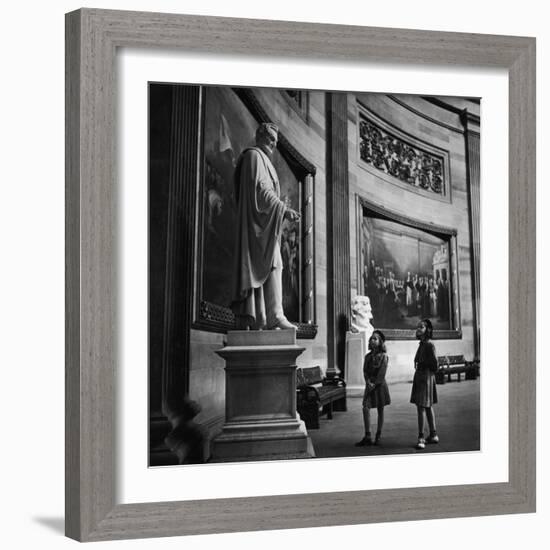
270 275
314 274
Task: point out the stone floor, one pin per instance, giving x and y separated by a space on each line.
457 420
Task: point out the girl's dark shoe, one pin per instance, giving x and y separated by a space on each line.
377 439
365 442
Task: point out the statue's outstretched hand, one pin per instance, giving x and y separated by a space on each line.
292 215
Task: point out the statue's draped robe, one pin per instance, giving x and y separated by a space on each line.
260 215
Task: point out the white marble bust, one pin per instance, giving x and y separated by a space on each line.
361 315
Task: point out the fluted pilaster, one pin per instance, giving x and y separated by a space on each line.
338 240
182 189
471 125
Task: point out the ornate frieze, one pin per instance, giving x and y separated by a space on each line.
393 155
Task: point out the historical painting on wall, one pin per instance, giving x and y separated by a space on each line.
406 274
229 128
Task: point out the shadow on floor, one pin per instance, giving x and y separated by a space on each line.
54 524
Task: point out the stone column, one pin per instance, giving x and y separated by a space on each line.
172 198
338 240
180 239
472 135
260 399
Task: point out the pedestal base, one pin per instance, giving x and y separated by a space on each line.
261 420
265 440
356 349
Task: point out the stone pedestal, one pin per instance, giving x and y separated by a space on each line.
356 348
260 399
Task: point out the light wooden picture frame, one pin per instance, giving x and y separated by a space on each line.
92 39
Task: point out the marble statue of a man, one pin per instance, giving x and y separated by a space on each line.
257 282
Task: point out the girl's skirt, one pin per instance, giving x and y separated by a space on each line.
379 396
424 392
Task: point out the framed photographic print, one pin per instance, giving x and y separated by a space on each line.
269 269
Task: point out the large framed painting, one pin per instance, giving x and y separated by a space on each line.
230 118
409 271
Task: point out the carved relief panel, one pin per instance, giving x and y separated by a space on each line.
399 158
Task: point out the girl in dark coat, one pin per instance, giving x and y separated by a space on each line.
377 395
424 392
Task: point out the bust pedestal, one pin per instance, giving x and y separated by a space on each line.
260 399
356 348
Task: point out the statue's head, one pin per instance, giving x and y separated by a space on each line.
266 137
361 309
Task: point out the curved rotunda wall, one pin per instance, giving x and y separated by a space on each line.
434 127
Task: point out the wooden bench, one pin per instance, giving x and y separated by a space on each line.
316 395
447 365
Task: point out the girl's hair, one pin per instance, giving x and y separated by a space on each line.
429 328
382 338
